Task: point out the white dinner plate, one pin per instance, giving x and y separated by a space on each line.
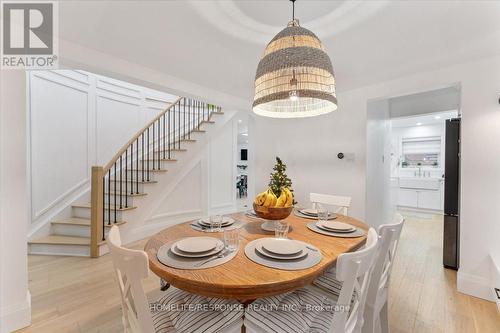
309 211
197 244
180 253
319 226
266 253
336 226
282 246
226 221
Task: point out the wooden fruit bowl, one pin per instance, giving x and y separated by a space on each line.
272 213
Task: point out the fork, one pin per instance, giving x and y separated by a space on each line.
197 225
220 255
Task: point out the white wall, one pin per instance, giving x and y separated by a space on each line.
79 119
378 186
200 183
15 300
309 146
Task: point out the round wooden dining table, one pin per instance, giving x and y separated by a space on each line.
241 278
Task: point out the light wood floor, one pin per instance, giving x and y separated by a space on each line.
79 295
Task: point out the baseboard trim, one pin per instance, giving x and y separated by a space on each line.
16 316
475 286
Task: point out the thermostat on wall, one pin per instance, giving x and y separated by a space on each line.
345 156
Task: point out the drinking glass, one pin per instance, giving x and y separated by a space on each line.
231 239
323 214
216 223
281 229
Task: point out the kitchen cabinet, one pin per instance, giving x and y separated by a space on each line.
429 199
408 197
420 193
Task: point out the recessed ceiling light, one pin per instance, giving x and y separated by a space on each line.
418 124
244 134
437 117
240 121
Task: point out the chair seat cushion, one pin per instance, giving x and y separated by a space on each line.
328 282
178 311
300 311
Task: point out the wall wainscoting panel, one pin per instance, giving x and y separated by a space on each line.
77 120
222 162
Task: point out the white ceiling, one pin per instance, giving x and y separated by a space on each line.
217 44
421 120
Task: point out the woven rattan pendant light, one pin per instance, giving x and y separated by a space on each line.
295 76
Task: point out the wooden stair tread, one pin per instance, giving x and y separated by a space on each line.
217 112
126 194
163 159
208 122
198 131
188 140
61 240
79 221
145 170
110 207
125 180
171 149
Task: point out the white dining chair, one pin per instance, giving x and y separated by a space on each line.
173 311
341 202
375 315
306 310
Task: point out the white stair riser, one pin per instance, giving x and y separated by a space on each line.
73 230
60 250
133 175
111 198
85 213
117 187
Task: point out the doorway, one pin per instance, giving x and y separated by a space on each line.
408 168
242 163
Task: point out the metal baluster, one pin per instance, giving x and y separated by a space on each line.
168 133
184 117
109 197
179 127
126 178
137 166
173 126
147 135
164 137
153 146
142 139
189 119
103 205
159 150
121 183
176 115
114 195
199 116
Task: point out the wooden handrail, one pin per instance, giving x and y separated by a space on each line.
115 158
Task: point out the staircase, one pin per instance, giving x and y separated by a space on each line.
117 187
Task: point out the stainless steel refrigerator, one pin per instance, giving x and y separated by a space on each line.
451 239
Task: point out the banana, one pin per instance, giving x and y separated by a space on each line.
289 199
282 199
260 198
269 198
274 199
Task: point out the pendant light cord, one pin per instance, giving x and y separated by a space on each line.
293 9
